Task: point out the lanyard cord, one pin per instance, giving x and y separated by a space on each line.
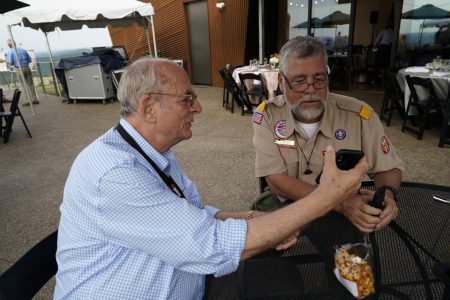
167 179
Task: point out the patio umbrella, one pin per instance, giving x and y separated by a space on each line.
427 11
8 5
336 18
315 23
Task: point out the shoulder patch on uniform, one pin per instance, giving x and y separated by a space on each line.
365 112
257 117
385 145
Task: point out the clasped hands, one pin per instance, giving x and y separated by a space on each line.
366 218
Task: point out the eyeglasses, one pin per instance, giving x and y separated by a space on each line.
298 86
189 99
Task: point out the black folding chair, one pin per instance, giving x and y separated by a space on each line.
31 272
236 94
9 116
424 105
252 86
393 98
445 130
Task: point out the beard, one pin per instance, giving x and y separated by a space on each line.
302 112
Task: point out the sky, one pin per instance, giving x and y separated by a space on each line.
31 39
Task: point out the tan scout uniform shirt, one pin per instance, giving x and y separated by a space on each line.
347 123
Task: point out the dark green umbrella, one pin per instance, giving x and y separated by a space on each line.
8 5
315 23
336 18
427 11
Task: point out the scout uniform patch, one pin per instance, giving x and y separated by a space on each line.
257 117
280 129
340 134
385 146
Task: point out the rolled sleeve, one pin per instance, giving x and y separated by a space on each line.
231 239
212 211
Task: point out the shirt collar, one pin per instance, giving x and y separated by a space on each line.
161 159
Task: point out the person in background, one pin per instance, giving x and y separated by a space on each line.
132 223
404 51
24 60
383 43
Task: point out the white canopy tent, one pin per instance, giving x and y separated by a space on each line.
70 15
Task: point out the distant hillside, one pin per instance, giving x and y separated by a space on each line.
43 58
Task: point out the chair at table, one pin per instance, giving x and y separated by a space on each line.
393 98
1 103
359 67
252 86
225 93
444 137
424 104
31 272
9 116
236 94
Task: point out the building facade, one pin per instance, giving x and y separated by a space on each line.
208 34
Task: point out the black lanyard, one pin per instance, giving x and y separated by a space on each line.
167 179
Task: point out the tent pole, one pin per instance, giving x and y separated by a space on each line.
53 65
154 37
24 85
148 37
261 30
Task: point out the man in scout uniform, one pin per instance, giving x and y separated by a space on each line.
291 132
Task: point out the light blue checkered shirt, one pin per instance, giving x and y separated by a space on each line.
124 234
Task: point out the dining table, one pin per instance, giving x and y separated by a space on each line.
439 79
268 75
410 257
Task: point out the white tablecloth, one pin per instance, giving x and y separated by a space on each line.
439 79
269 76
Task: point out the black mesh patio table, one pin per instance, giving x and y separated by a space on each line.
405 253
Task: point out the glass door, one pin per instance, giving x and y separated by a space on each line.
329 21
331 25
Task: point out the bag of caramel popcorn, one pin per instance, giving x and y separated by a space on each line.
354 269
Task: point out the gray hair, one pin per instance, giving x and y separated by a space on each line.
301 47
140 78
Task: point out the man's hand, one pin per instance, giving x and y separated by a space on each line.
343 183
288 242
390 211
365 217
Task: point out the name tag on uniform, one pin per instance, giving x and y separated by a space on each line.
285 143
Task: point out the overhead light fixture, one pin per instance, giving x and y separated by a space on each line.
220 5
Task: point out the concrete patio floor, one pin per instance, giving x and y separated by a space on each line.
219 158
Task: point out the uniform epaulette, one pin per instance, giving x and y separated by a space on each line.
262 106
363 110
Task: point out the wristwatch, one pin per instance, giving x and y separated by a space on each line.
394 191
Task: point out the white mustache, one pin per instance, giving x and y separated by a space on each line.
309 98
